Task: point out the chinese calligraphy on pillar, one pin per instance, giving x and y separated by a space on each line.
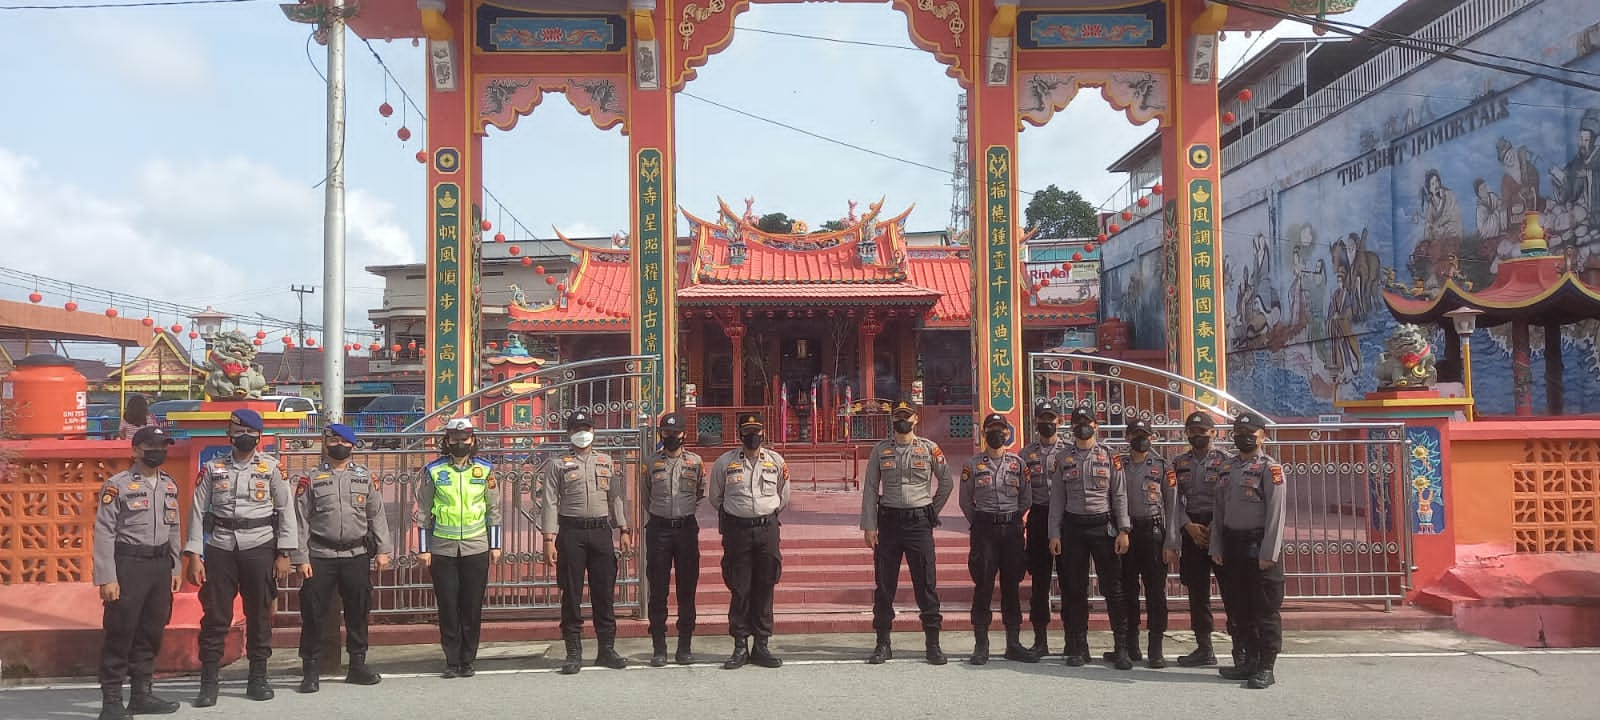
1000 269
1203 248
654 255
1169 277
449 306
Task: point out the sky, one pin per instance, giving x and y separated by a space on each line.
176 152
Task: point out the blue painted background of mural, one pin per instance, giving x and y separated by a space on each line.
1425 481
1439 165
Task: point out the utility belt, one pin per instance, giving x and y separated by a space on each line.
991 518
1146 523
906 515
1086 520
1244 536
672 523
142 552
330 544
237 524
588 523
1200 518
1043 507
750 522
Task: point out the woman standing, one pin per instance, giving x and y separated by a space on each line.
458 533
134 416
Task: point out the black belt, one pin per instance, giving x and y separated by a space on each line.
143 552
912 514
997 518
1077 519
1244 535
1152 521
1041 507
666 522
238 524
338 546
589 523
1200 518
750 522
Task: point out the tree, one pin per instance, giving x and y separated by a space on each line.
1060 214
830 226
775 223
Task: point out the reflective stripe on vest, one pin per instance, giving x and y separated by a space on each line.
460 502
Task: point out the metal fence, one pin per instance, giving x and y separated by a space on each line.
1344 539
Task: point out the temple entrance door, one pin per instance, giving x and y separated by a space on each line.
799 367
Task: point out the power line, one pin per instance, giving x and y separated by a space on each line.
113 6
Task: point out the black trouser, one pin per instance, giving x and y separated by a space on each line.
1040 564
751 565
1256 594
248 575
905 533
458 585
351 576
1195 569
1086 537
997 548
669 548
587 551
1144 564
135 620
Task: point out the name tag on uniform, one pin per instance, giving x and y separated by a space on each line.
735 475
139 503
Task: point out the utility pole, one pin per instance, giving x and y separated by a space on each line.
302 291
333 225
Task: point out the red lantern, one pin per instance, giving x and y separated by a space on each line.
1245 95
422 352
1044 282
374 347
515 250
287 340
1077 257
71 306
561 287
499 237
394 348
549 279
493 345
422 157
1144 202
385 109
1069 267
1227 118
1065 265
527 261
1088 247
403 133
411 345
539 270
149 322
35 298
486 225
176 328
1127 215
321 349
111 312
1156 188
257 341
1100 238
262 334
193 335
1115 228
311 342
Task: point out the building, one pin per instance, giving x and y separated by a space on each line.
1347 160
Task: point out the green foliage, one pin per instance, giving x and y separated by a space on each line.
1059 214
775 223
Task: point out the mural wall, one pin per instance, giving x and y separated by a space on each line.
1428 179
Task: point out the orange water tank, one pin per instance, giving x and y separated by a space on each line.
44 396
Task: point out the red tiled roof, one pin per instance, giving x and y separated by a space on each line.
599 298
796 259
789 293
951 277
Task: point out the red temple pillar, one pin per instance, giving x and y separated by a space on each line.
870 327
1521 369
735 331
652 173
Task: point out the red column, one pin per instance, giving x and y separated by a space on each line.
735 332
1521 369
869 335
652 167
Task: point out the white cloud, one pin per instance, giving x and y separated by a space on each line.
164 59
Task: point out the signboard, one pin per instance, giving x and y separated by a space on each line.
1203 250
445 335
652 269
1002 260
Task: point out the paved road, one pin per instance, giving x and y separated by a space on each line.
1418 676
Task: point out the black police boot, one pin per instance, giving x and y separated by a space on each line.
451 672
1041 641
1247 666
932 650
1076 650
1130 642
740 656
1156 660
310 675
574 661
1240 654
144 701
1119 654
881 653
658 649
467 670
111 703
256 687
1014 648
980 645
763 657
359 673
208 685
685 653
608 656
1202 655
1263 679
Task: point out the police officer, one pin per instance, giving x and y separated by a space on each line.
1040 459
1250 515
907 486
581 500
749 487
137 545
242 531
994 493
339 509
458 536
1150 484
1198 470
1089 520
673 484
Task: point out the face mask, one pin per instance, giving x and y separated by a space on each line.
582 439
1199 442
1046 429
339 452
458 449
995 438
244 443
751 441
1246 443
1083 432
153 458
902 426
1139 444
671 444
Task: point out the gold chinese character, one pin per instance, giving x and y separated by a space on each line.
652 244
1001 357
999 260
1202 259
650 318
1206 377
1209 398
997 190
1002 387
1200 237
448 277
650 343
447 352
447 254
649 196
651 298
652 271
446 301
1202 305
447 325
998 280
1202 353
447 232
446 375
997 213
1001 332
999 236
1202 282
649 223
1001 309
1204 329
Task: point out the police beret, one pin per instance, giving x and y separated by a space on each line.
1137 427
152 435
995 419
1249 421
343 432
580 419
1082 416
671 422
1199 419
904 408
750 420
1046 408
247 418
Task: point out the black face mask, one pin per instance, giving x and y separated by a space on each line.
1139 444
458 449
339 452
671 443
751 441
995 439
902 426
1083 432
1199 442
244 443
153 458
1046 430
1246 443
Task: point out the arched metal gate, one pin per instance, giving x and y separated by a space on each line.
521 427
1345 538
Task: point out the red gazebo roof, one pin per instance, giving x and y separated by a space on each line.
1539 289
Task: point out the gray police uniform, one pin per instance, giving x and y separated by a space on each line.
137 544
342 524
748 492
1251 500
994 494
1088 506
900 500
1040 461
581 500
1198 474
246 508
1152 492
673 487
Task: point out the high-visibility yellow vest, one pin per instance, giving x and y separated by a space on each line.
461 499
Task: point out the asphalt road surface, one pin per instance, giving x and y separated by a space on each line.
1417 676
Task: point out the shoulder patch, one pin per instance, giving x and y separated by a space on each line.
786 472
966 472
1116 462
1277 474
938 453
492 481
108 495
478 471
1172 478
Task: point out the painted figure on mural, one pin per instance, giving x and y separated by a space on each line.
1492 225
1441 231
1519 187
1344 356
1578 183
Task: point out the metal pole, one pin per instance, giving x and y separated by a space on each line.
333 225
301 291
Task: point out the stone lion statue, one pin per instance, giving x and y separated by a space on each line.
231 369
1407 361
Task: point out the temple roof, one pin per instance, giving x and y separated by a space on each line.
1539 289
864 251
599 297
